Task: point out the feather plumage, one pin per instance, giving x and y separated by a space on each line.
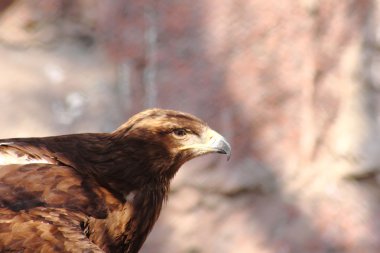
97 192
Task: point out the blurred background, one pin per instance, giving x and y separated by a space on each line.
293 85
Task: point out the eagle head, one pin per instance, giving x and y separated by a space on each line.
169 138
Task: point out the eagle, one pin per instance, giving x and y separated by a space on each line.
96 192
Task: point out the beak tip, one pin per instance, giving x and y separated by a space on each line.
225 152
225 149
219 144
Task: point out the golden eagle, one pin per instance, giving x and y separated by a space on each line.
96 192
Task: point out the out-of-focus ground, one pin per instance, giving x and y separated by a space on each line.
293 85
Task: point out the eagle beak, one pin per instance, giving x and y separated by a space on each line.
217 143
211 142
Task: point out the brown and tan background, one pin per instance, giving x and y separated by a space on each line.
294 85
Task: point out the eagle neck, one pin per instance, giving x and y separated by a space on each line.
148 201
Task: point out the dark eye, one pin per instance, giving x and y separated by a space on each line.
179 132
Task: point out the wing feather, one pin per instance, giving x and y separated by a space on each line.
50 201
44 207
43 230
13 155
26 186
47 150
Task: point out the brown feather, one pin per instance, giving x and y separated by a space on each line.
99 192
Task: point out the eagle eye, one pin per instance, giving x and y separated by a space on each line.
179 132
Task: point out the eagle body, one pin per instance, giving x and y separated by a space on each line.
96 192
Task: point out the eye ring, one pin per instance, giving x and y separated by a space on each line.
180 132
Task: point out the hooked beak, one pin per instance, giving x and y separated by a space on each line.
218 143
211 142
